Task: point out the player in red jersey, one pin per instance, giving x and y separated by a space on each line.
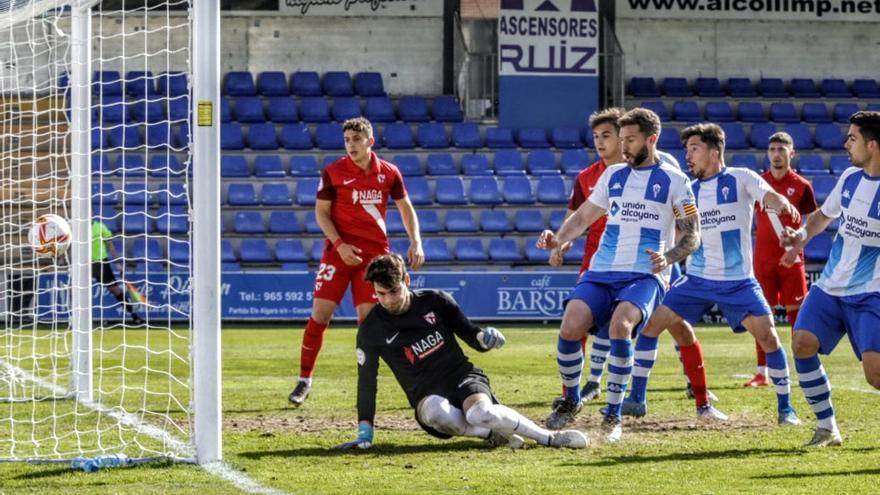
350 209
782 275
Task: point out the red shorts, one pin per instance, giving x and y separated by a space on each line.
334 276
781 285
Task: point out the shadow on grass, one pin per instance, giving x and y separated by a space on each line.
857 472
384 450
690 456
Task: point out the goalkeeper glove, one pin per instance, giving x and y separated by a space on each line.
364 438
491 338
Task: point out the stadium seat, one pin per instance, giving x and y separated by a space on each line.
296 137
272 83
249 222
284 222
409 165
835 88
533 137
432 135
136 222
107 83
291 250
369 84
804 88
686 111
873 107
398 136
815 113
231 137
499 137
379 109
140 84
829 137
436 250
178 108
518 190
470 249
746 160
556 219
394 222
346 107
311 224
314 109
419 191
677 87
535 255
227 253
819 248
643 87
866 88
528 220
268 166
305 83
573 161
750 111
255 251
843 111
274 194
102 165
306 191
485 191
175 195
147 250
441 164
249 109
495 221
802 136
125 136
670 139
172 220
135 194
475 165
165 166
542 162
158 136
719 111
839 163
225 110
575 253
508 162
772 88
460 221
338 83
429 222
740 87
317 249
657 107
131 165
811 164
783 112
172 84
240 83
504 250
760 134
445 108
450 191
283 109
262 137
566 138
147 111
413 109
552 190
329 136
735 136
822 186
466 135
183 135
709 87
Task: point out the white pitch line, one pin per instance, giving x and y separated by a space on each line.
239 479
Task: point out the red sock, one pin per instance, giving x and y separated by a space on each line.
692 357
311 346
792 316
762 356
584 346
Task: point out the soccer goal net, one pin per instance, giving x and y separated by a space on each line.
96 342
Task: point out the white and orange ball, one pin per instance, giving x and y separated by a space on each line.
49 235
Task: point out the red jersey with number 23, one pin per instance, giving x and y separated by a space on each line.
583 187
360 200
799 193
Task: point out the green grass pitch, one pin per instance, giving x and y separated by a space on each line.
666 452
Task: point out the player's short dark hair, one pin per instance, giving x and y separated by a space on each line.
868 124
711 134
607 116
358 124
782 138
387 270
647 120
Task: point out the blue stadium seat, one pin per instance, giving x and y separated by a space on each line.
573 161
556 219
101 165
136 222
275 194
113 110
413 109
262 137
147 111
686 111
231 137
419 191
394 222
508 162
829 137
740 87
429 222
291 250
677 87
249 222
866 88
504 250
398 136
873 107
346 107
819 247
783 112
460 221
542 162
470 249
533 137
535 255
475 165
227 253
305 83
575 253
409 165
445 108
158 135
311 224
174 195
751 111
272 83
240 83
518 190
839 163
719 111
296 137
441 164
306 191
815 113
772 88
495 221
657 107
379 109
249 109
284 222
552 190
314 109
126 136
134 194
399 246
822 186
369 84
172 220
166 166
528 220
436 250
268 166
107 83
670 139
499 137
643 87
131 165
329 136
255 251
178 108
183 135
811 164
735 136
709 87
432 135
566 138
303 166
450 191
835 88
485 191
172 84
282 109
843 111
147 250
317 249
746 160
801 135
760 134
338 83
225 109
466 135
804 88
140 84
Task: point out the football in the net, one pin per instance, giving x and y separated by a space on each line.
49 235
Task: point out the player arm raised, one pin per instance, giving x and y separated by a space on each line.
411 223
347 252
368 368
479 339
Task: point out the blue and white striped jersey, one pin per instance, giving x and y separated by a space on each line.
727 203
642 206
854 263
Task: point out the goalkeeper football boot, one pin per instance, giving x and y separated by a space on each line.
299 394
563 414
825 438
569 439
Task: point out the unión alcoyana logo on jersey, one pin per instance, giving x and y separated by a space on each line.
431 318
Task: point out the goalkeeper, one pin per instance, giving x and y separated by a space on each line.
414 333
103 272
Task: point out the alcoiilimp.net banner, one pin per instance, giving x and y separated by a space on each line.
365 8
755 10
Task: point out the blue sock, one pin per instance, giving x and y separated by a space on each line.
645 355
777 368
570 358
817 389
598 355
620 365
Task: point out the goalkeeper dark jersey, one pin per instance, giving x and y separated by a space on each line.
419 346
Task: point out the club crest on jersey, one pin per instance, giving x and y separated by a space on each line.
790 191
431 318
656 189
381 178
725 191
424 347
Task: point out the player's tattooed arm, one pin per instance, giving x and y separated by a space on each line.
687 240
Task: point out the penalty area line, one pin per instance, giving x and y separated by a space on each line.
241 481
